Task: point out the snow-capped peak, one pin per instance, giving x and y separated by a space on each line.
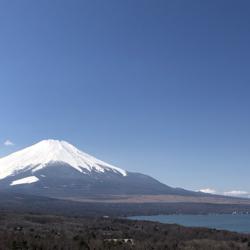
39 155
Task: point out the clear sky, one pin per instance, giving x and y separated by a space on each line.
160 87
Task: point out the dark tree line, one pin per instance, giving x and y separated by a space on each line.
38 232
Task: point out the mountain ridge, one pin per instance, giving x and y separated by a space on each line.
57 169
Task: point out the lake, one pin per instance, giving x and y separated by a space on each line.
231 222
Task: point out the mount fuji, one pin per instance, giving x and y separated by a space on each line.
56 168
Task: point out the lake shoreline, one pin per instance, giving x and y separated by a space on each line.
232 222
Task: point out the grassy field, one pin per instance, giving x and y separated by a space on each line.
216 199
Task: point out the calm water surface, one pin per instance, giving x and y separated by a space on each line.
237 222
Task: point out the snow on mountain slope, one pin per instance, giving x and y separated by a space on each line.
38 156
27 180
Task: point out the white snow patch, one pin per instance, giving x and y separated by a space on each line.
208 191
38 156
27 180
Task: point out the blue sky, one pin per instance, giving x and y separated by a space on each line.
159 87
